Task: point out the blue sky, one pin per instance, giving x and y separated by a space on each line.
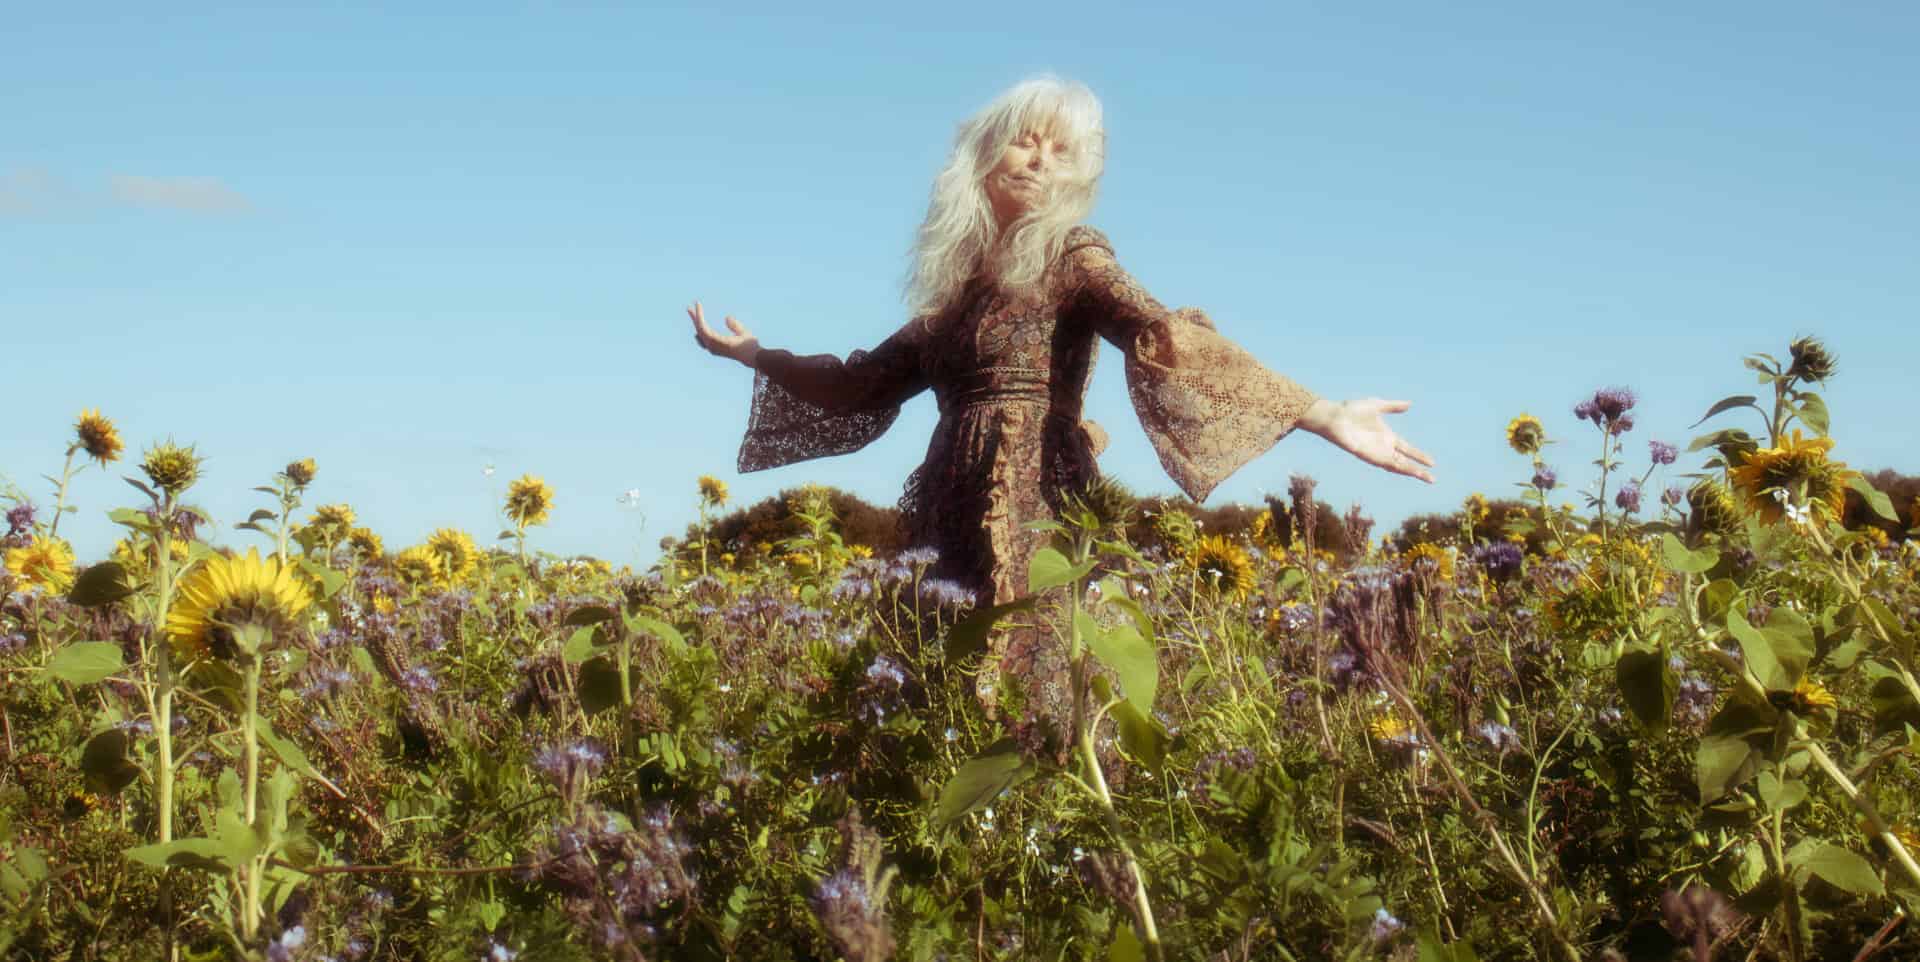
413 244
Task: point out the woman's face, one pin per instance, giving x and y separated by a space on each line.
1023 180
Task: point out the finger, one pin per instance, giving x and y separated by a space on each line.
734 326
1395 407
1415 453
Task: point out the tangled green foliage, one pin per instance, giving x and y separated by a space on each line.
1642 738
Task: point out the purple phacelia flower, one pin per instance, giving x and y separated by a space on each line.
1662 452
20 519
1503 738
420 679
1628 497
1613 403
920 556
1673 496
1544 478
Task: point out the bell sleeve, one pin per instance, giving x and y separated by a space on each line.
817 406
1207 405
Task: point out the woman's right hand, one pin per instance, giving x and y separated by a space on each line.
740 346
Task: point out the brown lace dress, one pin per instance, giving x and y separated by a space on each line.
1010 377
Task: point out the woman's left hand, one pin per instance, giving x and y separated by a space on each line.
1361 429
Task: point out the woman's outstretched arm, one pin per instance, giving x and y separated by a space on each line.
740 346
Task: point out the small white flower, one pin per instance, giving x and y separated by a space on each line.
725 687
488 470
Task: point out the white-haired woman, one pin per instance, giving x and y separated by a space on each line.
1010 296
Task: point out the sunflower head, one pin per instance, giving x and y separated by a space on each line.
1798 467
1811 360
366 543
1391 729
1711 509
1811 698
1222 565
232 608
1107 502
713 491
97 436
528 501
454 553
139 557
332 522
417 565
1525 434
170 467
45 563
301 472
1476 507
1176 528
1427 556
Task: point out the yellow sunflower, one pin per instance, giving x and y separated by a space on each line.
366 543
417 565
301 472
332 522
455 554
1798 467
142 556
528 501
1222 565
1810 696
1388 727
1476 507
170 467
45 563
233 606
97 436
1525 434
1431 556
713 491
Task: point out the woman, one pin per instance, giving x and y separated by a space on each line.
1010 292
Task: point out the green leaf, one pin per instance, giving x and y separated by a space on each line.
1141 737
579 646
105 764
1126 945
1130 656
259 515
981 780
968 636
283 748
1876 499
331 579
1694 562
599 685
1716 598
1845 869
85 662
1791 638
1813 412
1728 404
201 853
1051 569
128 517
1780 794
101 584
589 615
1776 669
1722 764
668 634
1649 687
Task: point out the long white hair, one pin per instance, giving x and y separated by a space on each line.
961 239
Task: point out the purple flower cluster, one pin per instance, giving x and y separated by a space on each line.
1544 478
420 680
1662 452
883 691
923 556
946 593
1500 559
569 763
327 682
1628 497
1609 409
1502 737
1673 496
616 882
19 525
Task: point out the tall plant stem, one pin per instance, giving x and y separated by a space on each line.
250 745
60 493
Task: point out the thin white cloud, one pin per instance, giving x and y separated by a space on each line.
29 190
204 195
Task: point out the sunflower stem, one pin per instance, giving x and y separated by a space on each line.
250 742
60 492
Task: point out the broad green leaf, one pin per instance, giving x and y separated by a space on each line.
1141 737
1648 685
1728 404
668 634
101 584
981 780
1780 794
1875 498
599 685
1130 656
128 517
589 615
1051 569
579 646
1126 945
201 853
1692 562
1844 868
1722 763
105 764
1757 647
1813 412
1791 638
1715 598
85 662
968 636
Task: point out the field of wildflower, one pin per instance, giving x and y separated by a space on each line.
1591 721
